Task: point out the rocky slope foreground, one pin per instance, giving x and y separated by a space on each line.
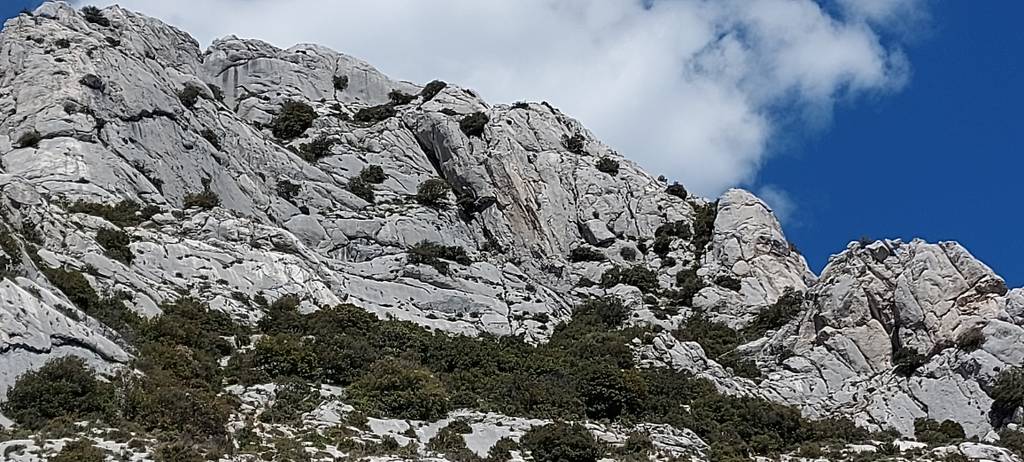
221 185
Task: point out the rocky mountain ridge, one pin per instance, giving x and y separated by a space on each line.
237 199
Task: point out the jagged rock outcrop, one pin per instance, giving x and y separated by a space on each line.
137 111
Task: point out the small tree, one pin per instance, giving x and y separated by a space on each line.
63 387
608 165
293 120
562 442
432 192
400 389
473 124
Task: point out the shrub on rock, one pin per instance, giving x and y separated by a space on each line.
676 189
92 81
211 137
205 199
586 253
400 389
63 387
340 82
95 16
116 244
574 143
431 90
970 339
473 124
432 192
933 432
608 165
189 95
374 114
373 174
81 450
434 254
637 276
361 188
562 442
294 118
29 139
400 98
317 148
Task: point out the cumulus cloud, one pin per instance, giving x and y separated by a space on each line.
693 89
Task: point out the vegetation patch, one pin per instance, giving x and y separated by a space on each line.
374 114
94 15
317 148
437 255
637 276
294 118
205 199
704 226
373 174
361 188
400 389
473 124
340 82
574 144
562 442
676 189
400 98
63 387
432 192
608 165
431 90
116 244
126 213
586 253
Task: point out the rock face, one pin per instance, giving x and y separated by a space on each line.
137 111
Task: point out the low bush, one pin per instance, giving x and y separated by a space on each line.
586 253
29 139
189 95
637 276
432 192
95 16
374 114
562 442
211 137
473 124
205 199
688 284
81 450
431 90
628 253
125 213
574 144
400 98
62 43
92 81
287 190
704 226
907 360
932 432
400 389
521 105
450 442
361 188
340 82
116 244
608 165
777 315
970 339
373 174
317 148
292 399
676 189
1007 393
729 282
63 387
668 233
110 311
294 118
437 255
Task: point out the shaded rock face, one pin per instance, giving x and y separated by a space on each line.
107 119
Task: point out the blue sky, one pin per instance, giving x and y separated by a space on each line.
939 157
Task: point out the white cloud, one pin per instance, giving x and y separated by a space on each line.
779 201
691 88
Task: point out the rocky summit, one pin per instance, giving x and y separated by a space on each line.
250 253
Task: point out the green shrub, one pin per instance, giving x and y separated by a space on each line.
211 137
110 311
432 192
784 309
627 253
520 105
431 90
400 98
437 255
970 339
29 139
1012 440
637 444
450 442
907 360
400 389
189 95
473 124
460 427
292 399
361 188
676 189
294 118
92 81
340 82
63 387
586 253
206 199
177 451
95 16
608 165
317 148
703 226
287 190
607 312
81 450
729 282
374 114
562 442
637 276
669 232
122 214
116 244
574 144
1007 393
373 174
932 432
502 450
717 339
